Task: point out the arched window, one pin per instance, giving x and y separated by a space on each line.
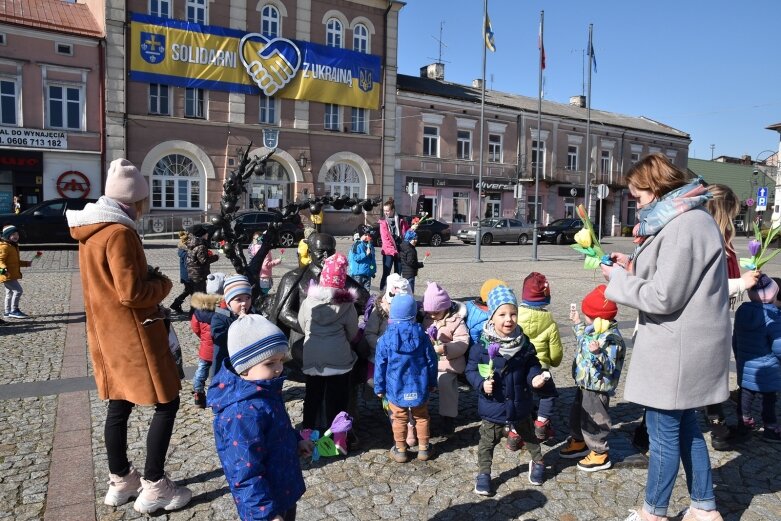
360 38
333 33
269 21
343 179
273 190
176 183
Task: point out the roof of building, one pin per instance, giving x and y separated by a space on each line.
737 177
526 104
52 15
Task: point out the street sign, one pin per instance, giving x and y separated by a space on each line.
749 202
762 192
761 204
412 188
602 191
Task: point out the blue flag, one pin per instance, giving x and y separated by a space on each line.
593 56
489 34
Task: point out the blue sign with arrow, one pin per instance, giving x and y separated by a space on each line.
762 192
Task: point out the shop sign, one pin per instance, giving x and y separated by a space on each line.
440 183
33 138
495 186
184 54
73 184
21 161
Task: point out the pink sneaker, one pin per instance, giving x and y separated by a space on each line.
122 489
162 493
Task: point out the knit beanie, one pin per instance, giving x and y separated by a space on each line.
234 286
214 283
435 299
410 235
252 339
499 296
487 286
334 273
764 291
124 183
596 305
9 230
536 290
403 308
395 284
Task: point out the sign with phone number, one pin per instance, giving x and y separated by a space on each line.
33 138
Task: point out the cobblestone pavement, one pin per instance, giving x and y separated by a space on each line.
366 485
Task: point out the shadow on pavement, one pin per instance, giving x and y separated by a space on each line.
511 506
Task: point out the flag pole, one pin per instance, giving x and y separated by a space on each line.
478 236
538 163
588 124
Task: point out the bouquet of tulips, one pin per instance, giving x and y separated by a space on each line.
324 445
758 247
586 242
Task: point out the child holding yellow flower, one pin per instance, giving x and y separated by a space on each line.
596 369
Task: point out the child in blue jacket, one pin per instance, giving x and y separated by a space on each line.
503 368
256 443
477 310
362 263
405 372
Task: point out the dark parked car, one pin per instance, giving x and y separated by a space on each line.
560 231
45 222
248 222
431 232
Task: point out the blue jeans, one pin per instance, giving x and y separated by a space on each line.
411 284
364 280
675 437
201 374
390 264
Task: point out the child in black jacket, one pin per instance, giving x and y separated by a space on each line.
408 254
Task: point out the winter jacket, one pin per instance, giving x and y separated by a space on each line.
756 341
390 240
512 396
330 322
203 305
221 321
598 372
454 336
268 265
181 250
409 260
131 361
376 325
539 326
9 259
257 445
361 259
198 260
476 316
405 366
677 363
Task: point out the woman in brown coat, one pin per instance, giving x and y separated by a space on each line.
127 338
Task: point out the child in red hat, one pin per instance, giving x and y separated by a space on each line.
596 369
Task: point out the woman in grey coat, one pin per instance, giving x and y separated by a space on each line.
677 280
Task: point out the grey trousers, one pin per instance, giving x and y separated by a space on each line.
447 387
589 419
491 435
13 292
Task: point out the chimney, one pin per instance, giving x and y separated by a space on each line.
745 159
477 83
433 71
577 101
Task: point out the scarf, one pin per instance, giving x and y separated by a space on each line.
657 214
105 210
508 346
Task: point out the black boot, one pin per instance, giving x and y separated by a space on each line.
719 435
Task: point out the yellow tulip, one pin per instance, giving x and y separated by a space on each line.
601 325
583 238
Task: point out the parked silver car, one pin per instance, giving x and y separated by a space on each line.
497 230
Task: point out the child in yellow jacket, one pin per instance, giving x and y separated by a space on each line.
538 324
10 271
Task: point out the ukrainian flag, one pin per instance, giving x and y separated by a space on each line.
489 34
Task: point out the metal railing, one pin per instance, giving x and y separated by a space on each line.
168 224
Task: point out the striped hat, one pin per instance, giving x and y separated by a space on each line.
499 296
252 339
9 230
234 286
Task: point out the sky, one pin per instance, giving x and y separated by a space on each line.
710 68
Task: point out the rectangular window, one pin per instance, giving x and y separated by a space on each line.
176 193
464 147
604 162
631 213
8 102
196 11
572 157
161 8
64 107
635 157
538 150
358 120
431 141
194 103
268 109
494 148
461 207
2 39
530 208
66 49
331 116
159 100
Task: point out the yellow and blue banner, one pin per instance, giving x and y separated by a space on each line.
184 54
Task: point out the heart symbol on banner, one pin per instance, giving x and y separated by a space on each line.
271 63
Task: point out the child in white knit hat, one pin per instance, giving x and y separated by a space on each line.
252 430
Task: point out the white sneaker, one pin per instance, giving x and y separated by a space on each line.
161 494
121 489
